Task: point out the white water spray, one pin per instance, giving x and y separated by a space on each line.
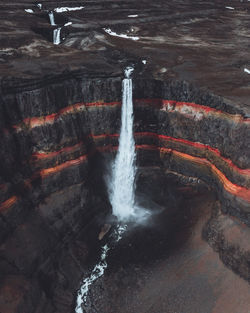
52 18
56 36
123 171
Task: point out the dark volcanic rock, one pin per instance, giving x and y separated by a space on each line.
203 43
169 267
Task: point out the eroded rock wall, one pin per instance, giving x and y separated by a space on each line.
54 141
50 192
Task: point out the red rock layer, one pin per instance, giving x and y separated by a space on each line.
202 147
8 203
233 189
32 122
193 110
163 140
165 144
49 171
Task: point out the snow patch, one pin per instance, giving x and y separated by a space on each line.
189 112
167 107
229 8
133 15
245 69
29 10
67 24
111 33
185 109
67 9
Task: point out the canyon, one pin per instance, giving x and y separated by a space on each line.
60 119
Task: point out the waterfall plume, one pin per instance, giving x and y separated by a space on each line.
123 171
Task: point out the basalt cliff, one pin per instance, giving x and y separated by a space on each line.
60 108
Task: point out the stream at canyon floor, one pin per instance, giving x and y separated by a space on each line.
166 266
154 259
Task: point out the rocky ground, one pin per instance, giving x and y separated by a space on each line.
166 266
203 42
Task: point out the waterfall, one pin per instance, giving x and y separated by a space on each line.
52 18
121 190
56 36
123 171
57 31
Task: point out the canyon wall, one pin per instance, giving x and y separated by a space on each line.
56 137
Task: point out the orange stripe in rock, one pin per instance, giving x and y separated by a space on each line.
148 147
8 203
234 189
216 152
49 171
102 103
244 172
190 109
201 146
49 119
170 105
45 155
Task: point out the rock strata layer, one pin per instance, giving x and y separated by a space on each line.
53 158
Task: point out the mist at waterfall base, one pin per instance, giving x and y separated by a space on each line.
121 180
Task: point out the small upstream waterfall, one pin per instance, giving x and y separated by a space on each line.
121 185
56 31
56 36
52 18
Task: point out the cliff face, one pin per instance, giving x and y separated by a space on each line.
41 141
52 187
55 140
60 119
